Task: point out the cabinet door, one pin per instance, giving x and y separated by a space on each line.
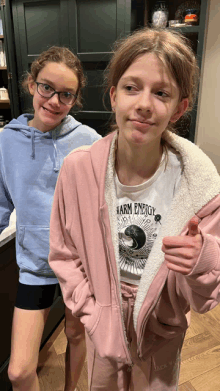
95 25
12 109
88 27
38 24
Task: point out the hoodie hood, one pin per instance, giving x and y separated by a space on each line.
21 125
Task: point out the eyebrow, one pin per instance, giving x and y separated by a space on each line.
137 79
52 85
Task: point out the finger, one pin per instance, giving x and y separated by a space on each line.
178 252
193 226
177 261
178 265
177 241
177 268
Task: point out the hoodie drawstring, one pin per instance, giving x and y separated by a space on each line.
128 300
56 161
32 144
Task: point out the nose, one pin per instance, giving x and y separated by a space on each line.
144 102
54 99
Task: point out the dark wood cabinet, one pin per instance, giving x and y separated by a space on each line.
8 74
89 28
8 289
141 12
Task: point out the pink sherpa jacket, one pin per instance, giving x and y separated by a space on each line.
84 254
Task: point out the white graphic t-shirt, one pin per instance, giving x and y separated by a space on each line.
141 211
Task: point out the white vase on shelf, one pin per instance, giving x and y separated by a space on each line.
160 15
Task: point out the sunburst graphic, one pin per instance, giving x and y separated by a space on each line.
136 238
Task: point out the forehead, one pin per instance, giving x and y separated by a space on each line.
149 66
58 75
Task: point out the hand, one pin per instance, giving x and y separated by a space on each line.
182 252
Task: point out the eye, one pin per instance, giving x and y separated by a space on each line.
162 94
130 88
66 95
47 88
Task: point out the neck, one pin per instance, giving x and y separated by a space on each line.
41 128
136 165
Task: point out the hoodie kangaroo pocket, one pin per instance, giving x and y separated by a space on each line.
91 321
33 249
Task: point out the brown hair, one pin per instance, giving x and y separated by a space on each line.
170 47
58 55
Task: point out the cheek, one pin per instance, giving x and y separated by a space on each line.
66 110
119 115
122 109
165 112
37 101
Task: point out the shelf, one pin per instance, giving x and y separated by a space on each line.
187 29
1 36
4 104
3 68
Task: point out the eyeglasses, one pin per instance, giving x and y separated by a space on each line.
47 92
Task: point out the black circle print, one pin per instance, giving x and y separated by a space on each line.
157 218
137 235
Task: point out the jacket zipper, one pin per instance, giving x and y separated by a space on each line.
125 337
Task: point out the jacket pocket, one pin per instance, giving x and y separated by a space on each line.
33 249
91 322
107 335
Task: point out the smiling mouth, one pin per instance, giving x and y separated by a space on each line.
142 123
50 111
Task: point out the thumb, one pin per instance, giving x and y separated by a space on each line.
193 226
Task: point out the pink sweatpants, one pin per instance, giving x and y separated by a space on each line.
108 375
112 376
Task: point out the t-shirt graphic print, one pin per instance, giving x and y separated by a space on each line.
141 210
137 231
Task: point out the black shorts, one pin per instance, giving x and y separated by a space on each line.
35 297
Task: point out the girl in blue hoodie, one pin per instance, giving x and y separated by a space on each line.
32 149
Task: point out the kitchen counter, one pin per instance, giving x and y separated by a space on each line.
9 232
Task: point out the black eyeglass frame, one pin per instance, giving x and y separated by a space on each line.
55 92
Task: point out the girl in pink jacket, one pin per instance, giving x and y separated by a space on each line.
135 221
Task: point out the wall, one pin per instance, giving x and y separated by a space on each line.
208 123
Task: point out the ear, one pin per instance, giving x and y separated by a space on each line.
31 85
113 96
180 110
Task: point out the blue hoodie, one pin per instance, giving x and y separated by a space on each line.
30 161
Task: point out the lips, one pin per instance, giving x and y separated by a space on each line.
141 122
50 111
141 125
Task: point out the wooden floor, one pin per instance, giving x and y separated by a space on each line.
200 369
